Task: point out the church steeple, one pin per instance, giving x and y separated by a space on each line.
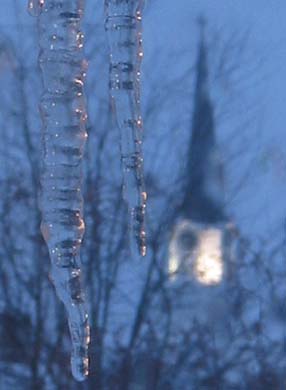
202 244
204 192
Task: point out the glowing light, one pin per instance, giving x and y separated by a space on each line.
208 266
173 265
197 250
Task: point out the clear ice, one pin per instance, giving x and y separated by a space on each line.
123 27
63 113
35 7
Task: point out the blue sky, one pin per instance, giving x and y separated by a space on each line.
261 206
170 30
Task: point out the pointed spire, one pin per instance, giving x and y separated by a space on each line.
204 192
202 66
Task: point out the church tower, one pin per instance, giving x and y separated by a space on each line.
201 244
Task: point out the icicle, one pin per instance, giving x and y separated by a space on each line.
123 28
35 7
64 116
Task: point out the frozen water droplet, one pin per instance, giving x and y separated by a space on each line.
123 28
79 368
35 7
64 115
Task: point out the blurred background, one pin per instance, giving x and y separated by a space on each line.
206 308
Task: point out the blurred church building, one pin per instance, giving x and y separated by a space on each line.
202 247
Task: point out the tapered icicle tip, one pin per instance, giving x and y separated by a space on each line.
137 228
141 220
79 358
80 335
35 7
80 368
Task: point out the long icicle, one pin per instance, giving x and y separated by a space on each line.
124 31
63 113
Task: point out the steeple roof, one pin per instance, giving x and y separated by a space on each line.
204 191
